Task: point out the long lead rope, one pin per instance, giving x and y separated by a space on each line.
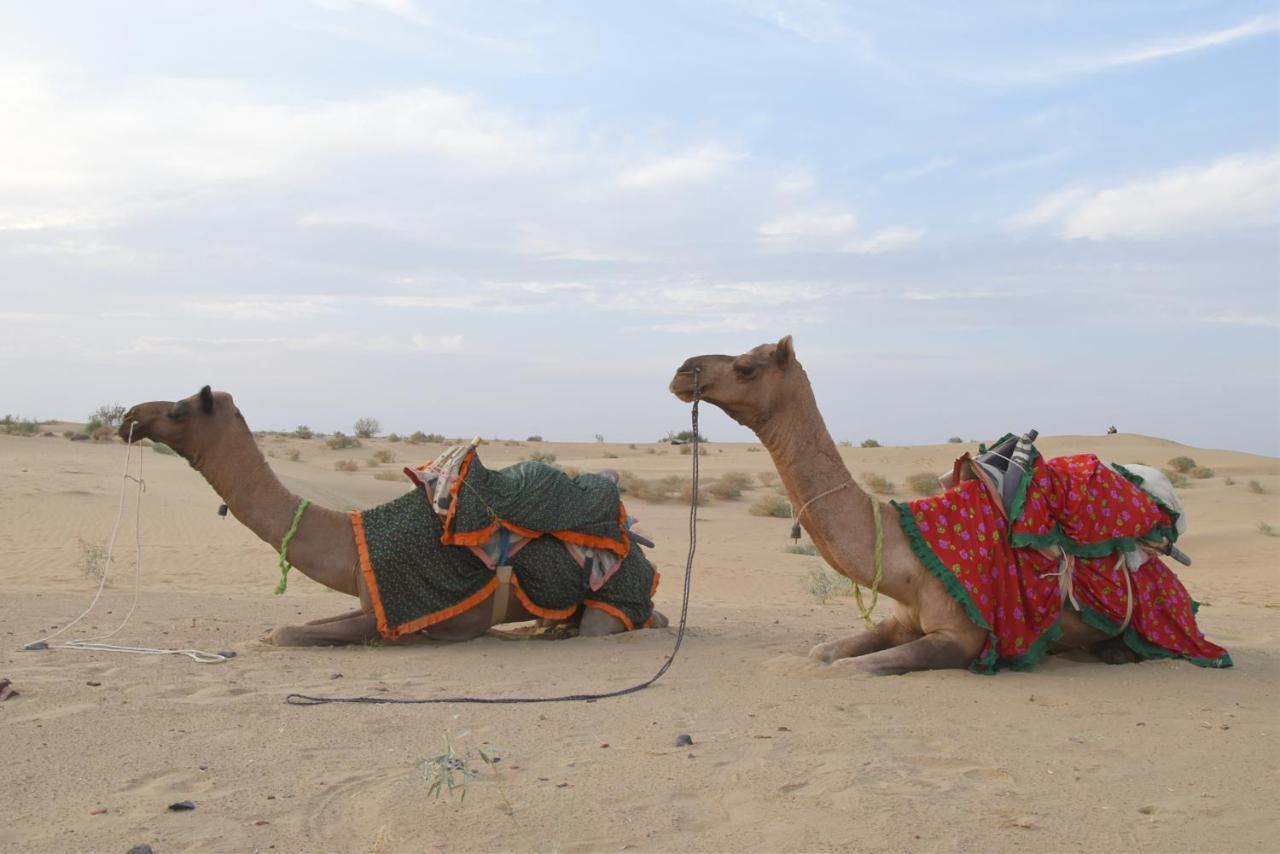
306 700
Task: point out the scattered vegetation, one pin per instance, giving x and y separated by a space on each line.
304 432
674 438
388 475
93 559
824 585
754 449
870 443
162 448
687 496
1182 464
726 488
534 438
877 483
655 491
1255 486
110 415
347 465
955 440
339 441
366 428
383 456
542 457
845 443
1229 481
102 433
19 426
924 483
1268 530
293 455
768 478
633 447
771 505
420 438
801 549
1177 478
393 437
1201 472
688 449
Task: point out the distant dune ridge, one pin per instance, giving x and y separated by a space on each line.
786 754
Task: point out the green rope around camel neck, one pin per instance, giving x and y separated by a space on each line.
878 561
303 504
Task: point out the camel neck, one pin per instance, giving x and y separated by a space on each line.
323 548
839 523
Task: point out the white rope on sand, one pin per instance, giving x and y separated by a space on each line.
95 644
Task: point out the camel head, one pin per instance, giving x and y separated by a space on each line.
188 425
749 388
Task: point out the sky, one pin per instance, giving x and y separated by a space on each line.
519 218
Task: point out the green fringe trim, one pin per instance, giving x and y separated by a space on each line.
1138 480
1056 537
990 661
1144 648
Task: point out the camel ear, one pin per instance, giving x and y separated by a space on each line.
206 400
783 353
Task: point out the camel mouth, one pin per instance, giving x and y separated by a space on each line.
682 387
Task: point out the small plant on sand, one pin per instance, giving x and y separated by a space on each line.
1201 472
162 448
366 428
93 559
304 432
346 465
293 455
1256 486
1229 481
383 456
688 449
754 449
877 483
19 426
681 437
801 549
686 495
924 483
870 443
103 434
609 455
1268 530
534 438
1182 464
768 478
388 475
393 437
824 585
542 457
340 441
1177 478
845 443
111 415
771 505
955 440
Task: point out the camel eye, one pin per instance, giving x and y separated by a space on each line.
744 370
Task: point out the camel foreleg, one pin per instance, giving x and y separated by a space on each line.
936 651
887 633
345 629
335 618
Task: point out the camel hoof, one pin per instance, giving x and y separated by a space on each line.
824 652
279 636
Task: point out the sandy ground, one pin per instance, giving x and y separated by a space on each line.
786 755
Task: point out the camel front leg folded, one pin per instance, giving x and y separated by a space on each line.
936 651
336 617
362 628
886 634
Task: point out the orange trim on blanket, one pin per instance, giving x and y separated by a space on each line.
480 537
612 611
452 611
538 610
366 567
657 576
453 496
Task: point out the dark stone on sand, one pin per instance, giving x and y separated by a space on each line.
683 740
36 645
227 653
182 806
141 849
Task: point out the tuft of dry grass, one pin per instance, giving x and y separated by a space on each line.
294 455
824 585
768 478
801 549
346 465
382 456
877 483
1269 530
340 441
542 457
1201 472
771 505
1256 486
1177 478
388 475
1182 464
870 443
924 483
93 559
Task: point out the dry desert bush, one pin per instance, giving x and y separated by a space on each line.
346 465
924 483
877 483
1182 464
771 505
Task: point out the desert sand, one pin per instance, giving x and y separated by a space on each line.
787 755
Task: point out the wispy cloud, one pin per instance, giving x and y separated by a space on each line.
1235 191
276 309
830 231
812 20
164 345
1269 321
692 166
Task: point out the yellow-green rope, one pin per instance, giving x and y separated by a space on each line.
878 561
284 546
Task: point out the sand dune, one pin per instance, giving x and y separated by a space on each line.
786 755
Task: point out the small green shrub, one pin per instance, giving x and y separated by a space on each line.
1201 472
955 440
304 432
383 456
534 438
877 483
111 415
682 436
870 443
19 426
771 505
339 441
347 465
393 437
725 490
366 428
824 585
924 483
1182 464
